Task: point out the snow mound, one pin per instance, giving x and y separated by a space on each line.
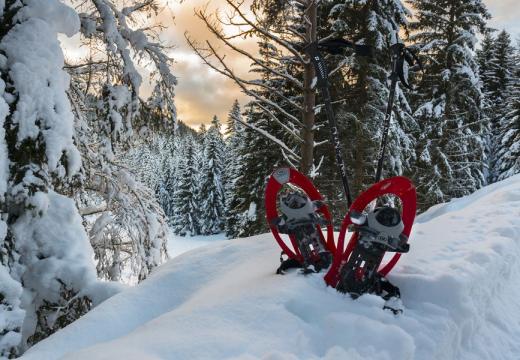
459 285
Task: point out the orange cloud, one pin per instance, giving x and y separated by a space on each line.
202 92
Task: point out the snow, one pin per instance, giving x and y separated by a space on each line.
223 301
55 246
35 64
11 316
178 245
61 17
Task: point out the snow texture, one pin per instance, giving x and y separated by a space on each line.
35 62
178 245
459 286
56 247
11 316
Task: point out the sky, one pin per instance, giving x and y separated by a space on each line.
203 93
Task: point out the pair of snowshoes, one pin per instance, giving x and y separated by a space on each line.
358 268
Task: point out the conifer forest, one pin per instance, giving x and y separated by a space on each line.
97 174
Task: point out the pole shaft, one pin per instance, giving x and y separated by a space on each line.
388 118
334 134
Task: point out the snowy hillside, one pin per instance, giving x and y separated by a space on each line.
460 287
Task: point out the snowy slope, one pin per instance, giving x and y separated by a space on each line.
460 286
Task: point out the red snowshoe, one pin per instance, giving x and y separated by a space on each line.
302 216
358 269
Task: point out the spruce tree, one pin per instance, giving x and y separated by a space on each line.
486 63
508 140
246 216
363 88
212 199
500 87
233 119
185 218
450 149
233 170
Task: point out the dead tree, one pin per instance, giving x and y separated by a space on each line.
289 29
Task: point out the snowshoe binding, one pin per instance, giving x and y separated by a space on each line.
378 231
301 220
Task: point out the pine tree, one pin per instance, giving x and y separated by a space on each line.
363 87
166 187
233 119
211 182
486 63
257 159
185 218
450 149
498 77
508 147
233 170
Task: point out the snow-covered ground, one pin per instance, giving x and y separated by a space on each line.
178 245
460 287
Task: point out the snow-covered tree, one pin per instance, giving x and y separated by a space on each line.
105 93
485 59
496 63
211 195
46 260
186 210
255 161
234 168
234 119
451 147
362 88
508 147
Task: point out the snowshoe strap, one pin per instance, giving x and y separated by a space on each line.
384 286
287 264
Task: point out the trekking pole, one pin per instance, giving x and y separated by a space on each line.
332 46
400 55
394 76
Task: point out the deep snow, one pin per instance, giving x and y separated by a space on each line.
459 284
178 245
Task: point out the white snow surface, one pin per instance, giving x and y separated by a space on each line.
33 57
178 245
459 285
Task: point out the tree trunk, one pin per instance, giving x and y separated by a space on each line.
309 100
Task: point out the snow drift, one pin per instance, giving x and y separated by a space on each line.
460 287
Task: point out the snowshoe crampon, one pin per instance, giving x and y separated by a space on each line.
357 268
301 215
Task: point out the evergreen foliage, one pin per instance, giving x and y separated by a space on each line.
234 171
450 141
211 193
186 214
246 215
496 61
508 147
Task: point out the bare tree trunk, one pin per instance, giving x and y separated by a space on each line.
309 101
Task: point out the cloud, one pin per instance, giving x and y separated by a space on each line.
202 92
